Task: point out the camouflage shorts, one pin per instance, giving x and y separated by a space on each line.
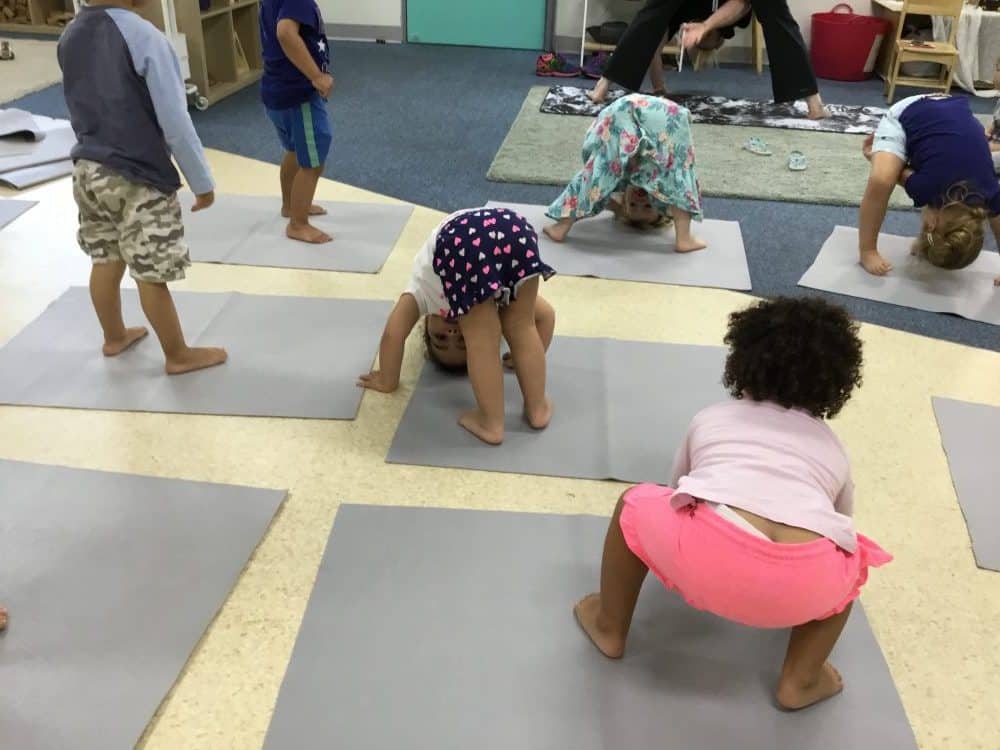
121 220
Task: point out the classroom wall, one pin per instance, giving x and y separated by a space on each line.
367 19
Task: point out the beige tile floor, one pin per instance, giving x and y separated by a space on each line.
934 612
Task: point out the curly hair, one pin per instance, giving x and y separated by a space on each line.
432 355
801 353
957 239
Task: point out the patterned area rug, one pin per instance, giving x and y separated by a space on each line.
719 110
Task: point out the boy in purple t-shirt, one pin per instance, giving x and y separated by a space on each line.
295 88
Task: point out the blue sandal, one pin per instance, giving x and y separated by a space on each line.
757 146
797 161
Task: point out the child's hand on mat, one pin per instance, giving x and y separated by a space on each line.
323 83
874 263
693 33
203 201
866 147
376 381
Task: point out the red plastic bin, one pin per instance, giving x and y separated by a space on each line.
845 45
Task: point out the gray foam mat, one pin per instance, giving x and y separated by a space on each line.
288 357
19 179
11 209
621 408
56 147
607 249
453 629
915 283
249 230
970 434
21 125
110 581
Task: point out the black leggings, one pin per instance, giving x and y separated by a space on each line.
792 75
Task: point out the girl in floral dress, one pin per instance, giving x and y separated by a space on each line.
638 161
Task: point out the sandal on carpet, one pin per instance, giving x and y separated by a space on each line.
757 146
797 161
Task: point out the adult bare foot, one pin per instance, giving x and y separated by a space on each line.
599 93
875 264
794 695
308 233
690 244
473 422
557 232
196 358
587 612
132 335
314 210
540 416
816 110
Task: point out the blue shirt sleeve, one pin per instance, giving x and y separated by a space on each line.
156 62
303 11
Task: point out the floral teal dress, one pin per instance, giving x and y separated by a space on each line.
637 140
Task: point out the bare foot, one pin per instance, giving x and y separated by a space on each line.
600 91
539 417
3 619
314 210
557 232
690 244
196 358
308 233
132 335
793 697
875 264
587 612
473 422
818 112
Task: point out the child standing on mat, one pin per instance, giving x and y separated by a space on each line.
638 161
933 146
757 526
295 88
128 108
475 280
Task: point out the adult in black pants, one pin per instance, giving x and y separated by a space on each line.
792 77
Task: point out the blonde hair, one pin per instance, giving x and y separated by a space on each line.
957 238
625 216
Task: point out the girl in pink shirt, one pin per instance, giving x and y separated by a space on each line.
757 526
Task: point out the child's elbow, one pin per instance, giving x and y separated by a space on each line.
287 30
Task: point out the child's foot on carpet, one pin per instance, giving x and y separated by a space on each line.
314 210
132 335
793 697
196 358
587 612
690 244
540 416
557 232
308 233
472 421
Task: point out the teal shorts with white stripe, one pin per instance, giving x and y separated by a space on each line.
305 129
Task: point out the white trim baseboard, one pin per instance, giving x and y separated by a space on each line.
361 32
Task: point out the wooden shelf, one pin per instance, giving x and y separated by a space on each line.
590 46
220 91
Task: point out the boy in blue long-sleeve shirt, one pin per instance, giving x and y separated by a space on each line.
295 88
127 104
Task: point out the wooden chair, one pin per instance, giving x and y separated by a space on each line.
944 54
757 44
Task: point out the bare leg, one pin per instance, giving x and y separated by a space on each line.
806 676
481 331
557 232
528 353
303 191
105 293
607 616
656 76
290 168
686 242
600 91
181 358
817 110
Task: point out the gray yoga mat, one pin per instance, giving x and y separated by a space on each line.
608 249
436 629
621 408
248 230
288 357
19 179
111 581
11 209
970 434
913 282
20 125
56 147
